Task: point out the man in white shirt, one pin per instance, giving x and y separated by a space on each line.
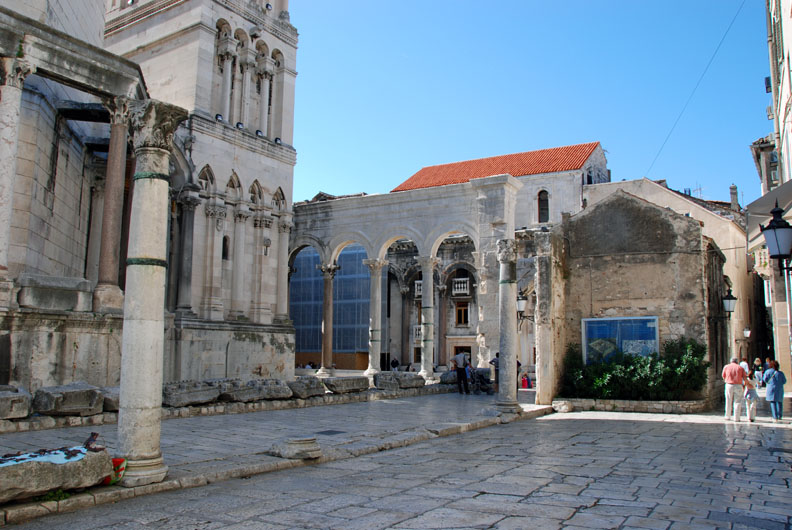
744 366
460 360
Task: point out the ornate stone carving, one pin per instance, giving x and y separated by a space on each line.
189 203
507 251
153 123
427 261
240 216
284 226
266 243
118 108
13 71
262 222
328 269
375 265
215 210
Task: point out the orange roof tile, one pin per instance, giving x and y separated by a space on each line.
518 164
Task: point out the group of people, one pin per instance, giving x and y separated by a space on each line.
742 381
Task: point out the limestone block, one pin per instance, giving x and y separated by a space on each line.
386 381
186 393
410 380
344 385
448 378
55 293
254 390
75 399
307 386
112 396
275 389
14 402
298 448
563 406
35 474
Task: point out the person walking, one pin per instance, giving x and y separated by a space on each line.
757 369
775 380
750 396
460 361
734 375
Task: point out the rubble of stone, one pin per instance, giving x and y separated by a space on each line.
236 390
386 381
112 398
448 378
75 399
410 380
306 386
66 469
185 393
297 448
14 402
344 385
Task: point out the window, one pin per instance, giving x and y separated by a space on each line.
604 337
225 247
462 313
543 207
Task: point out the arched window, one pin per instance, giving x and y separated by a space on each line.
543 207
225 247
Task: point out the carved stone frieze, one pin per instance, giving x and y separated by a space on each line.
118 107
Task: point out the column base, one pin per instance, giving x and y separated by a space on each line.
426 374
185 312
282 320
108 299
370 371
324 372
142 472
508 407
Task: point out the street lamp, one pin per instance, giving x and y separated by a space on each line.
747 333
778 236
522 302
729 302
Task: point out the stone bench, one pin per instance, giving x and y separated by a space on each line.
75 399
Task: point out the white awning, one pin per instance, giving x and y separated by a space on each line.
758 212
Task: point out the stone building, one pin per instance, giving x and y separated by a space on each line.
231 64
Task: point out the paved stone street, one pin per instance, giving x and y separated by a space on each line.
578 470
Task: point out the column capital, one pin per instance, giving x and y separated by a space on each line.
118 108
375 265
427 261
241 215
13 71
265 66
215 210
507 251
262 221
153 123
284 227
189 203
328 269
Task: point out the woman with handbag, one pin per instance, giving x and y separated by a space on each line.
775 381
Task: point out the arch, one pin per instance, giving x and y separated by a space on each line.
543 206
338 243
399 233
223 28
307 240
278 200
439 234
256 193
262 50
277 56
448 273
206 179
242 38
233 190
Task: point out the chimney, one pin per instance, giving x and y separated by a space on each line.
735 205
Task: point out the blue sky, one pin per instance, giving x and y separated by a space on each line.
385 88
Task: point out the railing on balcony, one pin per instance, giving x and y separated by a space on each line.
417 335
418 288
460 286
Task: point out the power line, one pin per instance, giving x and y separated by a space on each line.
694 89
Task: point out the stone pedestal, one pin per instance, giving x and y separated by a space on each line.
507 295
153 124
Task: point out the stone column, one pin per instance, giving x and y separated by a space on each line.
246 65
238 298
328 273
12 76
107 297
442 317
264 70
153 124
227 59
406 344
212 306
507 298
543 330
282 300
189 200
427 315
375 314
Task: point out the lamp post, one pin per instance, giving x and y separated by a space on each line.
522 302
729 303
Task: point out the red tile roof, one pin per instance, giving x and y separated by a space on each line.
519 164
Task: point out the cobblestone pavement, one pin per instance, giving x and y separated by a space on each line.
578 470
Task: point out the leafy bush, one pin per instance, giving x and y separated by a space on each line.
679 373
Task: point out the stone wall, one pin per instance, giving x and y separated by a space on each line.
624 405
627 257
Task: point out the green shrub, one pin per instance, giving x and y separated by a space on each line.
679 373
